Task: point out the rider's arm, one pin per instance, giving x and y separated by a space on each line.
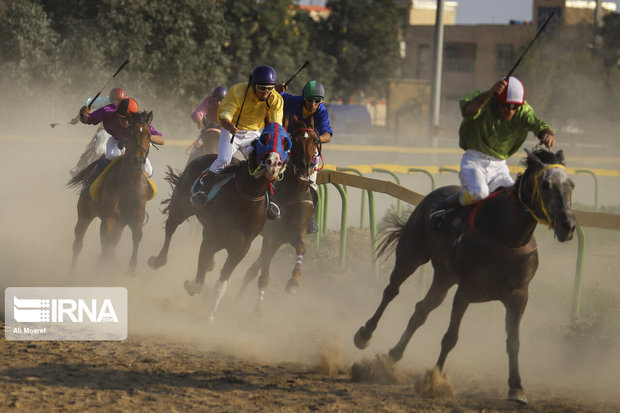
473 106
156 136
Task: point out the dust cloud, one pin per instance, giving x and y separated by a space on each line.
317 325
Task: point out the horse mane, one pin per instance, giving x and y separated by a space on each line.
141 117
538 156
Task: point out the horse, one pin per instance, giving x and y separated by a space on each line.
493 258
205 144
124 191
296 205
231 219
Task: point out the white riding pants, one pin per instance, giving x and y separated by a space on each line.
113 151
482 174
225 149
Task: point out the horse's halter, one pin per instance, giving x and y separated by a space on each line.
138 145
537 196
317 146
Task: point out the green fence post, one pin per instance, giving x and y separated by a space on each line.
393 175
343 225
589 172
427 173
363 210
319 213
576 306
373 230
323 227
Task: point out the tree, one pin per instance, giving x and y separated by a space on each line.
364 37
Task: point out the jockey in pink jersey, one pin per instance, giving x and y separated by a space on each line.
205 115
114 121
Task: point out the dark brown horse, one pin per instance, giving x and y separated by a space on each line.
123 194
206 144
493 258
231 219
294 199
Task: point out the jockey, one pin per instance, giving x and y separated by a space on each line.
246 104
96 146
114 120
495 125
205 115
309 105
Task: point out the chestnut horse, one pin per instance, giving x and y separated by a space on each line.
123 194
493 258
231 219
206 144
296 205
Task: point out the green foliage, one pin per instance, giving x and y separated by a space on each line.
364 35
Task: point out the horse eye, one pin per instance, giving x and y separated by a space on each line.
286 144
265 138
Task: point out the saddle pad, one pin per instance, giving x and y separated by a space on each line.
95 187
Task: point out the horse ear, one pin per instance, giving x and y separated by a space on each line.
286 122
560 155
311 122
532 159
149 118
267 118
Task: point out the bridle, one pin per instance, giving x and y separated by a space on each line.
139 146
537 197
317 147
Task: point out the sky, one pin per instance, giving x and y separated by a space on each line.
484 11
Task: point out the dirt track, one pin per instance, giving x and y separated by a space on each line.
296 356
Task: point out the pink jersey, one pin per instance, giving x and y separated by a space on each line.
207 108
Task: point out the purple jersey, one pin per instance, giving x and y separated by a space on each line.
107 115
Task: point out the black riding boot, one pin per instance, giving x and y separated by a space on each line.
445 205
199 198
99 167
313 228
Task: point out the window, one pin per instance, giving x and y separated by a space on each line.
543 15
459 57
424 60
504 56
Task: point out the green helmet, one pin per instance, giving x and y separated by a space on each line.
313 89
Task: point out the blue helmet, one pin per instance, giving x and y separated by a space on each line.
273 138
264 75
219 92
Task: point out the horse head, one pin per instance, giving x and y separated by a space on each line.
305 140
138 138
271 150
545 190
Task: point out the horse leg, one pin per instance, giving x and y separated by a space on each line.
173 221
459 306
403 268
250 274
515 306
206 262
270 247
300 249
434 297
84 220
109 235
234 258
136 237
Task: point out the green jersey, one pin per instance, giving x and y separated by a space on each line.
488 133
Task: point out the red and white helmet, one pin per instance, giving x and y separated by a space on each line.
514 92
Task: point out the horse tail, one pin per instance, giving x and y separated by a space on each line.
389 235
172 177
81 177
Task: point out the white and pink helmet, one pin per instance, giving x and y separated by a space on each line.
514 92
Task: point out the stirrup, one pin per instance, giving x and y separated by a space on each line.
273 211
440 212
312 228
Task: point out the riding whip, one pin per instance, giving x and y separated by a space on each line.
297 72
529 45
104 86
232 138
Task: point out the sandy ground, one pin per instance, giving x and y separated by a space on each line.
297 355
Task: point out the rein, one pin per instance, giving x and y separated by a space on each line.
537 195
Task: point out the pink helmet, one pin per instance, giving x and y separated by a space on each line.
117 94
514 92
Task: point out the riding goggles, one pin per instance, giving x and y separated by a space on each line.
313 100
264 88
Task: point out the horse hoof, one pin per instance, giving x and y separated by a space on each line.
191 287
517 395
360 341
152 262
291 286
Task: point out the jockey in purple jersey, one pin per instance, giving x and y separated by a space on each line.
306 107
114 121
205 115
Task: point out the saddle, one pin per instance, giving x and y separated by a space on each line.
95 186
219 180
